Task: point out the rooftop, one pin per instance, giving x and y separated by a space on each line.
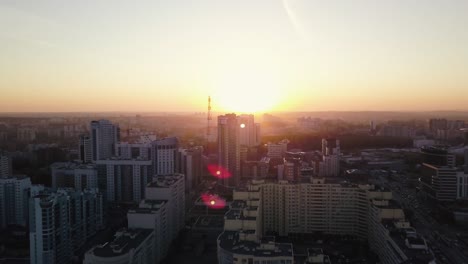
229 240
72 165
124 241
165 181
237 214
412 244
210 221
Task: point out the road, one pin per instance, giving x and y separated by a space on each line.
446 250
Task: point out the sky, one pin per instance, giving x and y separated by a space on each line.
249 56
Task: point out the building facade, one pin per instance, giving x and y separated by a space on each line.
126 179
172 189
85 149
14 200
229 148
104 136
60 222
165 155
74 175
5 165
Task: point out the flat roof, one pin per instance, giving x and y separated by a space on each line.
237 214
124 241
229 240
165 181
210 221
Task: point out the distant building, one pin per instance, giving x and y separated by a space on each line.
5 165
277 150
26 134
462 185
249 134
129 246
74 175
439 182
438 156
104 136
60 222
229 148
329 166
85 149
438 173
14 195
419 143
437 124
309 122
397 131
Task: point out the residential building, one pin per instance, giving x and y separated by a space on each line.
14 200
190 163
172 189
153 215
5 165
85 148
126 179
229 148
104 136
322 206
60 222
26 134
165 156
125 150
462 185
74 175
249 134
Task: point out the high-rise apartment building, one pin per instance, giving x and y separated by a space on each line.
104 136
60 222
190 164
126 179
153 215
172 189
229 148
5 165
14 194
161 213
164 155
74 175
125 150
329 166
249 134
85 148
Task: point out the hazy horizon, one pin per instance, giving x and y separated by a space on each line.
249 56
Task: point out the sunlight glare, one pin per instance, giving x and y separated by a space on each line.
247 91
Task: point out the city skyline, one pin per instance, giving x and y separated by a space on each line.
260 56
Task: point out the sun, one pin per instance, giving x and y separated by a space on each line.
247 91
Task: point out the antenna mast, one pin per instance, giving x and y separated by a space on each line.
208 134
